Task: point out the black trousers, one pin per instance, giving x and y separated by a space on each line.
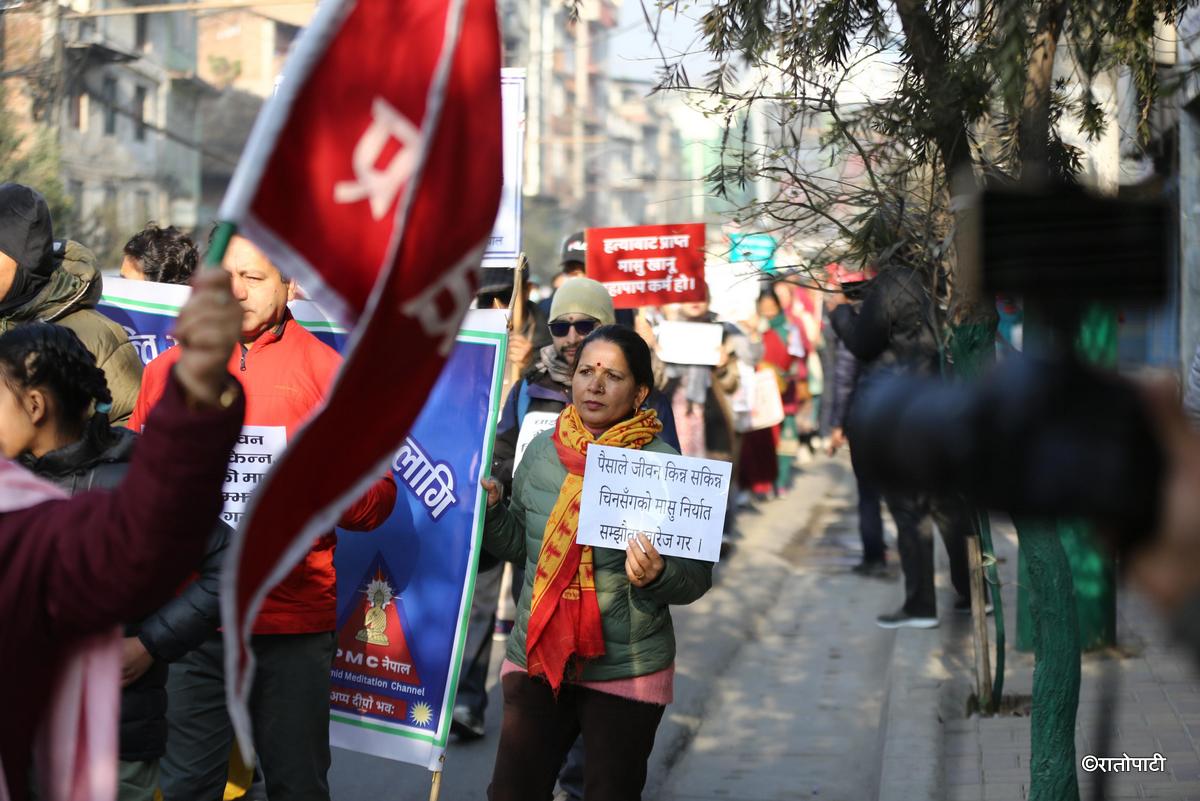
915 515
870 516
289 713
539 729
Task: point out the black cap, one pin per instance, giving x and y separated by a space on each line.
26 237
575 249
494 279
497 279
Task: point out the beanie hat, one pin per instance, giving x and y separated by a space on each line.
583 296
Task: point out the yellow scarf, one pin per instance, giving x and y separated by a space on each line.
564 616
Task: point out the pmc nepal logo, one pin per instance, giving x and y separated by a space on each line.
374 672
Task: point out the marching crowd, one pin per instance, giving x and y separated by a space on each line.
590 660
110 495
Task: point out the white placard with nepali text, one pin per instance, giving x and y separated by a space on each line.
690 343
533 424
256 450
678 502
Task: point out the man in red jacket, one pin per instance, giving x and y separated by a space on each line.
71 569
285 372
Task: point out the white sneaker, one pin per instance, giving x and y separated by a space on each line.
903 620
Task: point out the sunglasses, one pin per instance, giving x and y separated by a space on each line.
560 328
488 299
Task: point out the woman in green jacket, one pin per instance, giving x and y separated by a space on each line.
593 649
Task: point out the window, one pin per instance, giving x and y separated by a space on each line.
139 114
141 31
109 212
108 96
75 113
284 36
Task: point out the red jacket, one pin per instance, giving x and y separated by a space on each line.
75 567
285 374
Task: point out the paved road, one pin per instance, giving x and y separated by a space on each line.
797 715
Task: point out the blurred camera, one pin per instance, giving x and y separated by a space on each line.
1044 434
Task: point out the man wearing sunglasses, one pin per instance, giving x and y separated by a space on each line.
580 306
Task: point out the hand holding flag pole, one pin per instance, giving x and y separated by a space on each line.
222 235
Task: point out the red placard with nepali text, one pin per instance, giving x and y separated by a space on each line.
648 265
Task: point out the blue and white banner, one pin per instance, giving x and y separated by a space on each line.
147 311
404 590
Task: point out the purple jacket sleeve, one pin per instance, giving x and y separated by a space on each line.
845 379
103 557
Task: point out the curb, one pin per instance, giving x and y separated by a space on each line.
910 728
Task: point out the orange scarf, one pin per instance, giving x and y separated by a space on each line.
564 616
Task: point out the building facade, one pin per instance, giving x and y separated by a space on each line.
121 95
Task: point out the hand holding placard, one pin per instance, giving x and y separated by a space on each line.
677 502
643 563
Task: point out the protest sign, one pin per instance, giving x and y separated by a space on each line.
689 343
532 424
733 289
406 587
648 265
255 451
504 245
678 502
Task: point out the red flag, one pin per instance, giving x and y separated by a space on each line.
373 177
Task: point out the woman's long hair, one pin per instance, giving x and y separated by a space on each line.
52 358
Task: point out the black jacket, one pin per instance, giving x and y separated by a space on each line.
535 392
172 631
894 328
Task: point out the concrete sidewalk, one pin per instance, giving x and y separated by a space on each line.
1157 708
